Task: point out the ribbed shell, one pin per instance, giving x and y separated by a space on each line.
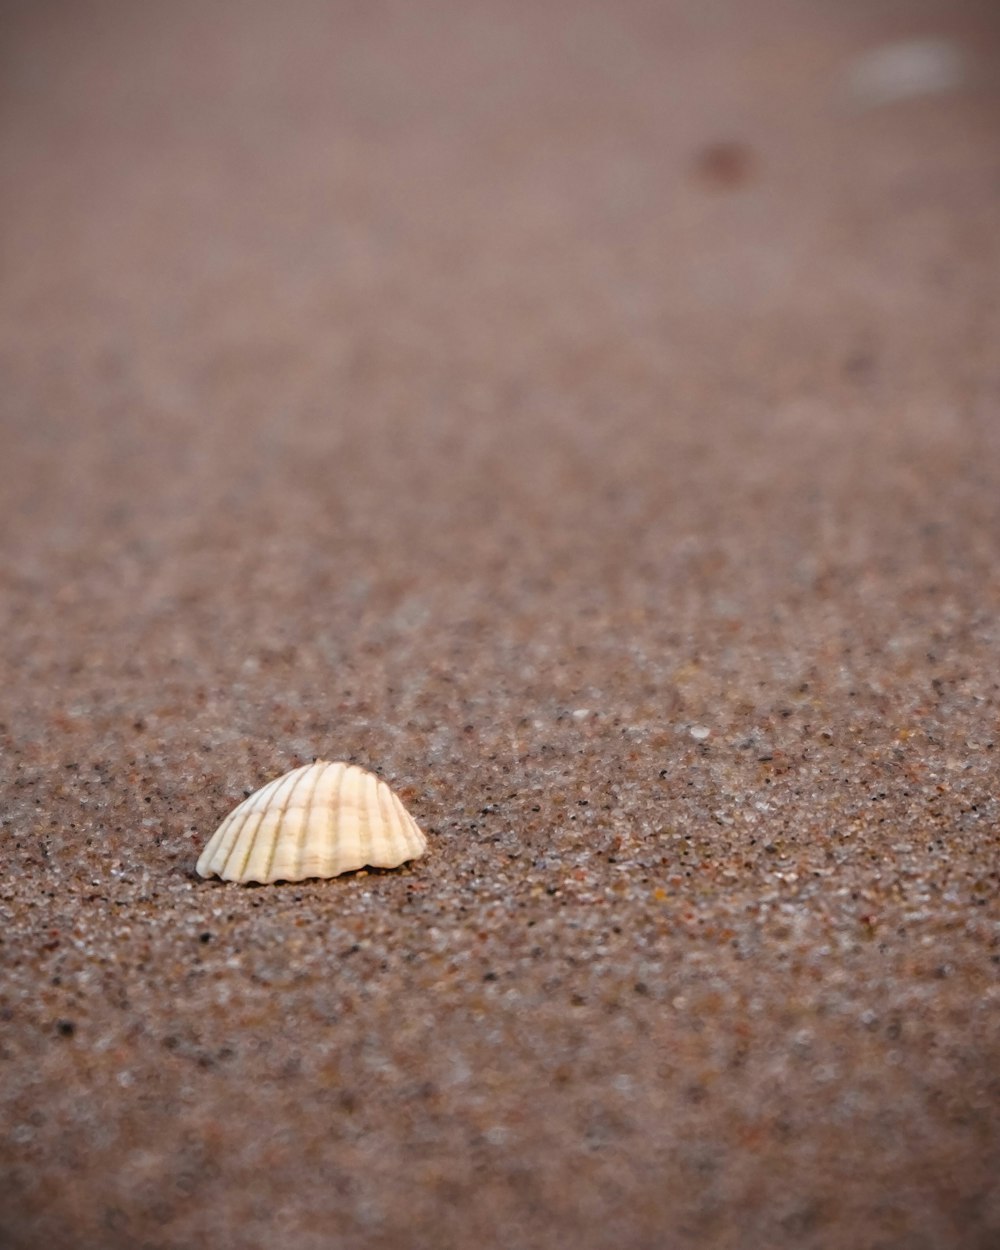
316 821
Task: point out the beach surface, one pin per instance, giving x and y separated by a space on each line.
586 416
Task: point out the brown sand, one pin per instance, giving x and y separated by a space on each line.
587 415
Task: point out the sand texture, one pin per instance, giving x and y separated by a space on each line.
587 417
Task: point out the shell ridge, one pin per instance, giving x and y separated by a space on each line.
246 809
212 848
415 834
407 823
418 837
260 812
377 817
294 777
386 819
403 821
367 841
319 769
335 798
281 819
286 808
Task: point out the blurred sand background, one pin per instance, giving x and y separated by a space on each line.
588 416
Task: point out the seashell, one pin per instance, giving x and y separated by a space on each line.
316 821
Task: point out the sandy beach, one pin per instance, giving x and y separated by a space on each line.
587 417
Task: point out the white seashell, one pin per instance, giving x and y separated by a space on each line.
316 821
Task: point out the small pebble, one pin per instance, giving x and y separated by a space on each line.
699 732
